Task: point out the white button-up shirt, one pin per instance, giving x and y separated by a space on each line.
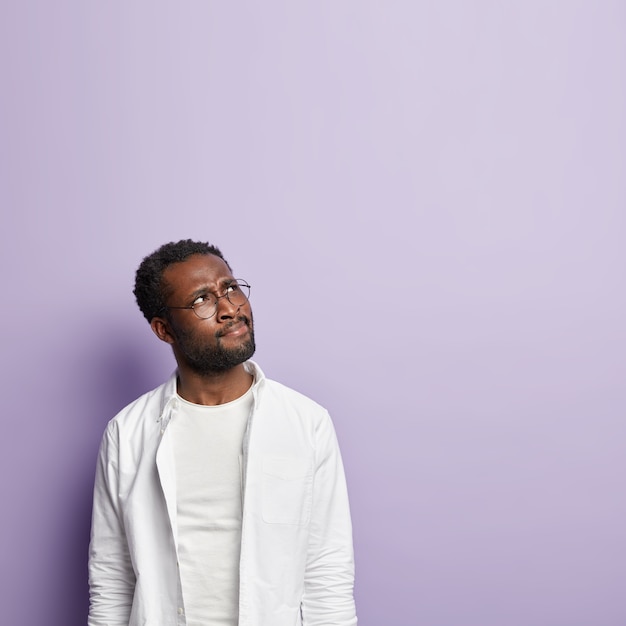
296 566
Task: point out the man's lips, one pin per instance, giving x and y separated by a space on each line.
234 329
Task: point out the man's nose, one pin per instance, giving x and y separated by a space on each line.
226 309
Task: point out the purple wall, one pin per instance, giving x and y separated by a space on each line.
429 201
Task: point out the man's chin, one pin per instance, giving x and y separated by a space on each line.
223 360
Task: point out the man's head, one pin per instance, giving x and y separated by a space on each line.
149 287
170 285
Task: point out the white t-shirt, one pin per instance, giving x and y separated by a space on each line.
208 457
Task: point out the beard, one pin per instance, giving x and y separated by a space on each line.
206 359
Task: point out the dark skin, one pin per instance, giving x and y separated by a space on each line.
228 330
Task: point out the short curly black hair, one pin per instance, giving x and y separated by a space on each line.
148 289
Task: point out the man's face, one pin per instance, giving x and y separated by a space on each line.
209 345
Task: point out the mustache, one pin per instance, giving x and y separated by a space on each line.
240 318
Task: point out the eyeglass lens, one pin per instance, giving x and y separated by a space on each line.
236 293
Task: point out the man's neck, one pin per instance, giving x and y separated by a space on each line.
214 388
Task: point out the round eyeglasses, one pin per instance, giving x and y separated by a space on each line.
205 306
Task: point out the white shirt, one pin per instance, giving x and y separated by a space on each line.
296 565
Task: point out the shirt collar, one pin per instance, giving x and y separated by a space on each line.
168 390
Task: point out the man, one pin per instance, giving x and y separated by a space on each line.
220 497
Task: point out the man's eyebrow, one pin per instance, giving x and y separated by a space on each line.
224 282
198 292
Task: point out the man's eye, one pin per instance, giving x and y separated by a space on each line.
232 288
200 300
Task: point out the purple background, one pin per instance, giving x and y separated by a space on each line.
429 201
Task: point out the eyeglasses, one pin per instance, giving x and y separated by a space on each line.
205 306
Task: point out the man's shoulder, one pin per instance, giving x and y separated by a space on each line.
147 406
274 392
282 393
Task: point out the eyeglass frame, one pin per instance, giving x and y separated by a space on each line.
236 281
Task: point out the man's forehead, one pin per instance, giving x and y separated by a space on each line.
196 270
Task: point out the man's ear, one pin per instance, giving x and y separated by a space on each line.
161 329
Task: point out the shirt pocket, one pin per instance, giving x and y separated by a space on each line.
287 490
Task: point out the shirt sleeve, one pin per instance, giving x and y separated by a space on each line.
111 575
328 598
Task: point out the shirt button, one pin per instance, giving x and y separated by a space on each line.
181 611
